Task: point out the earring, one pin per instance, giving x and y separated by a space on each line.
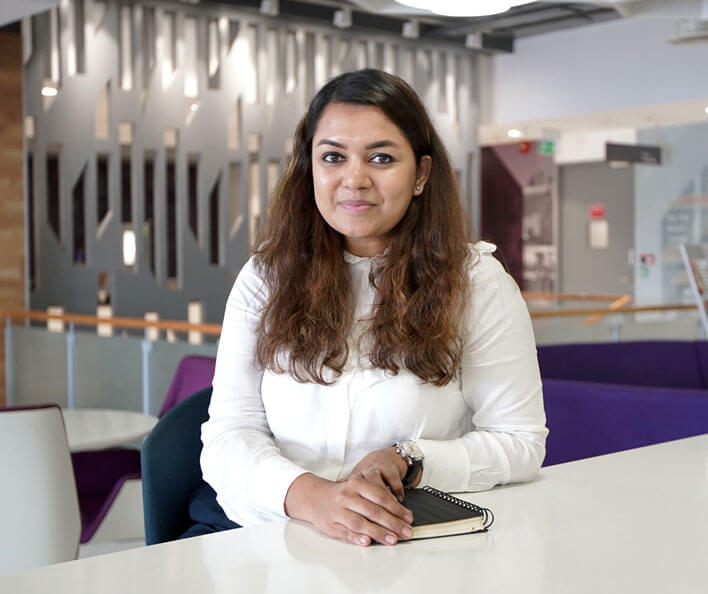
417 188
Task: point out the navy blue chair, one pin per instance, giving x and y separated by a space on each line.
170 468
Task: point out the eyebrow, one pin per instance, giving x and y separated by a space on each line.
373 145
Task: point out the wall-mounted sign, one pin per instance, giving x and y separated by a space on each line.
599 234
597 211
633 153
647 259
546 147
524 147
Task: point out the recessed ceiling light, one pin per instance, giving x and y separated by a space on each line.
706 109
514 133
48 91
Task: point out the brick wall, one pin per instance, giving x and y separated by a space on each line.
12 250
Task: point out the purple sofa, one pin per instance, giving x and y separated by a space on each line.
599 398
608 397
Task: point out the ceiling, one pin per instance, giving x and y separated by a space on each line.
494 33
653 116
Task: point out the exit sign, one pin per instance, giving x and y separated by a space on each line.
546 147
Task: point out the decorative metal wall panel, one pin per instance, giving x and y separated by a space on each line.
124 95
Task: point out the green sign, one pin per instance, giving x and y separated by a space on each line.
546 147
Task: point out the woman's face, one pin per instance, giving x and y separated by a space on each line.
364 174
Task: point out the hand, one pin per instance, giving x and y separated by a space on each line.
356 510
391 466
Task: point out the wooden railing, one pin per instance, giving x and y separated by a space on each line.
560 313
616 306
89 320
616 302
538 296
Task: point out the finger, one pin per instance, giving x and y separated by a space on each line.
362 528
373 475
380 516
341 532
392 478
385 498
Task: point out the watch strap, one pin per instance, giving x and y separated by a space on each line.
414 467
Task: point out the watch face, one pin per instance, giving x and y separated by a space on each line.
411 449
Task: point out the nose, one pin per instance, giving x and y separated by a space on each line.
356 175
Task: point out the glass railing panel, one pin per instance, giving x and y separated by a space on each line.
39 366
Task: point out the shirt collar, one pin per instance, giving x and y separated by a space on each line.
350 258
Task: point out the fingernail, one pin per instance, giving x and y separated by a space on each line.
391 539
408 517
400 498
364 540
407 532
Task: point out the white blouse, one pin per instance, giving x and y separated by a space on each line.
266 429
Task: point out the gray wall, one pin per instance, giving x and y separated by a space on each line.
444 75
585 270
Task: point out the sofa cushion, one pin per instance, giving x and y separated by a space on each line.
589 419
671 364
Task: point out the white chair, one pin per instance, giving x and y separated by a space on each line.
39 508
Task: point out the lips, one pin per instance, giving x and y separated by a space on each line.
356 206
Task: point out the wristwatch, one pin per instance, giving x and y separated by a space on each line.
413 455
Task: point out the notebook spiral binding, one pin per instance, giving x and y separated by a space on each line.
487 515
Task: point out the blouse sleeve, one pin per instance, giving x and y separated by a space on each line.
240 459
501 384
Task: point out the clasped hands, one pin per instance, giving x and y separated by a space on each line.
364 508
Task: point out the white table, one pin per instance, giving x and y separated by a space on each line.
99 428
631 522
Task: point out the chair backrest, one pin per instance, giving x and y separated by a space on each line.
170 468
193 373
39 508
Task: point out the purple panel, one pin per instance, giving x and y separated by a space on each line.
587 419
194 373
672 364
98 471
99 475
95 507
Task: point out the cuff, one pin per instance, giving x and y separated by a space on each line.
270 482
446 464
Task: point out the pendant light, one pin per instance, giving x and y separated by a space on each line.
462 8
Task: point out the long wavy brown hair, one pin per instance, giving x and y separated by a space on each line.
420 281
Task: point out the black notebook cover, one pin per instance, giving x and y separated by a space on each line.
436 513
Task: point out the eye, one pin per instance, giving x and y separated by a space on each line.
332 157
381 159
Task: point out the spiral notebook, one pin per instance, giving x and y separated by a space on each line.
436 513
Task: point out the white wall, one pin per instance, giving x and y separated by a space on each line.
614 65
680 182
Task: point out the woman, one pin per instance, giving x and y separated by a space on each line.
366 346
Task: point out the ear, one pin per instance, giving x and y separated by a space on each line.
422 174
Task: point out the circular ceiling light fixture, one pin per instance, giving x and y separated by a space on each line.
462 8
